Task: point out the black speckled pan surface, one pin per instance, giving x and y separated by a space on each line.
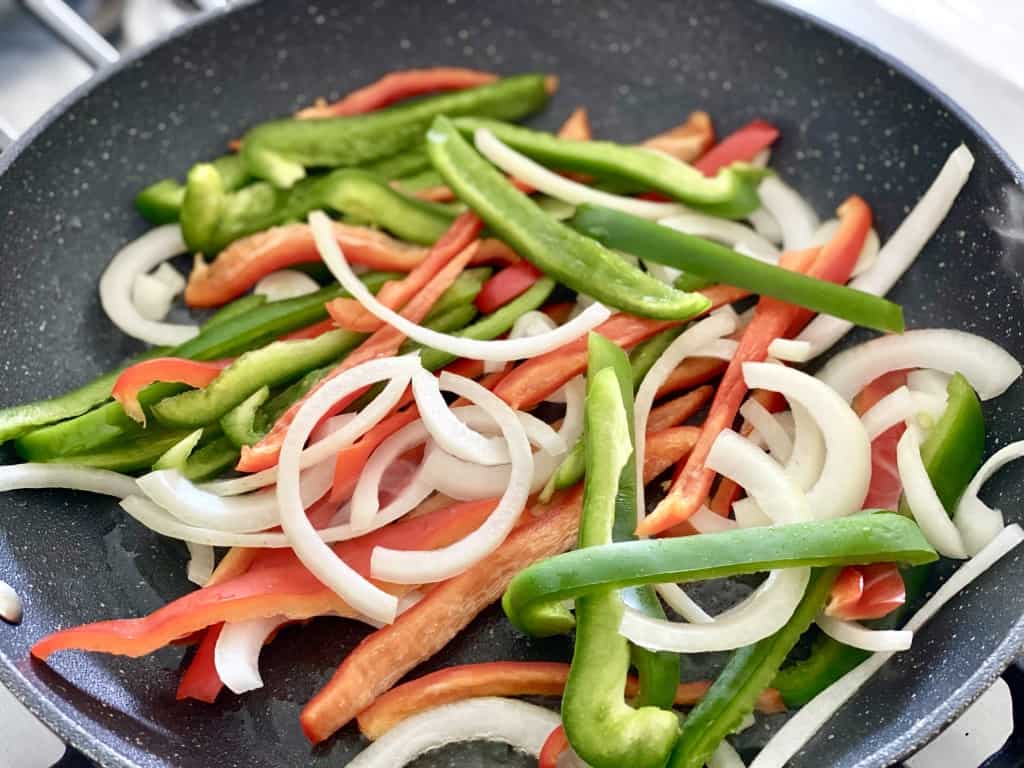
850 122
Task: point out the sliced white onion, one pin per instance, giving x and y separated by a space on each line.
239 514
237 653
706 521
151 297
762 158
523 726
856 635
846 473
423 567
574 394
761 476
722 349
766 226
560 187
808 456
10 604
532 323
725 756
319 558
170 277
975 520
800 728
795 216
779 443
500 350
749 515
16 477
929 381
285 284
898 406
900 251
680 602
365 512
790 350
466 481
662 272
200 563
868 252
138 257
988 368
730 233
922 499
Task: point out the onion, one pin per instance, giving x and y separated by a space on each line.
138 257
466 481
760 476
808 456
200 563
898 406
706 521
680 602
766 226
333 572
929 381
730 233
975 520
779 443
868 252
795 216
523 726
500 351
237 653
170 277
723 349
762 158
922 499
10 604
532 323
239 514
151 297
900 251
16 477
749 515
802 726
856 635
285 284
560 187
423 567
790 350
725 756
988 367
662 272
846 473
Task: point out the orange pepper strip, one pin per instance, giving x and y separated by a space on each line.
687 141
498 678
458 246
692 372
384 656
396 86
201 681
243 263
679 409
166 369
554 745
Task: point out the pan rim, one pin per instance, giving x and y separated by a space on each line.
80 738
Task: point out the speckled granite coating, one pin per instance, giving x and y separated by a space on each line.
850 123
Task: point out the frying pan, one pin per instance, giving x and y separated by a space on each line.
851 122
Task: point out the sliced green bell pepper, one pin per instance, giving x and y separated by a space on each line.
177 455
160 203
239 423
212 459
703 258
579 262
236 308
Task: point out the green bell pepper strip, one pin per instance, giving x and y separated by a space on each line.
211 460
239 423
236 308
577 261
688 282
283 400
732 193
212 218
951 453
424 179
645 354
177 455
132 453
569 472
463 291
399 165
734 693
658 671
604 730
856 540
160 203
281 150
706 259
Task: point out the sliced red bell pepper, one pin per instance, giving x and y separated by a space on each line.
678 409
509 283
741 146
867 592
554 745
350 462
178 370
692 372
396 86
438 194
886 488
455 245
559 311
201 681
687 141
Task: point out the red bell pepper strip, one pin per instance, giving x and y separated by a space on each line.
438 194
690 373
867 592
201 681
741 146
136 378
457 247
509 283
554 745
559 311
350 314
687 141
310 331
396 86
885 489
243 263
385 656
678 409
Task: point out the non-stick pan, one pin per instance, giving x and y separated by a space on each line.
851 122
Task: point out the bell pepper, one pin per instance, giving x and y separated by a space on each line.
160 203
281 150
688 141
678 409
732 193
742 146
554 745
178 454
577 261
239 424
511 282
200 681
383 657
867 592
211 460
396 86
234 308
176 370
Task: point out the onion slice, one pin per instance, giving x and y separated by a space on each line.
10 604
16 477
922 499
780 444
523 726
794 215
422 567
856 635
151 297
706 521
730 233
748 514
929 381
725 756
900 251
790 350
285 284
988 368
808 455
976 520
200 563
237 653
138 257
766 226
365 511
898 406
800 728
760 476
498 351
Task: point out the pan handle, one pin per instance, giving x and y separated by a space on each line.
74 30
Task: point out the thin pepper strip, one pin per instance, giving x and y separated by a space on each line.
176 370
200 681
877 590
688 141
386 655
577 261
742 145
678 409
503 678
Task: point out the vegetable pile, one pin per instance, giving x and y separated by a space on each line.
400 284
